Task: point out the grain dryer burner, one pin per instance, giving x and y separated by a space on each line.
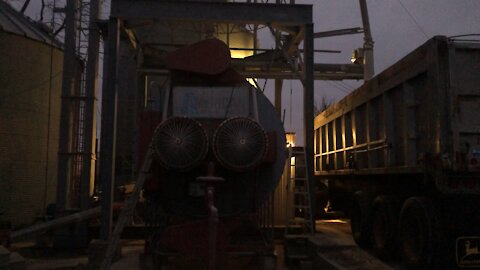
219 150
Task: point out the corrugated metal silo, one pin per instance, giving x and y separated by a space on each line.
30 84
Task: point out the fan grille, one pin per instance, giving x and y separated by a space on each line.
180 143
240 144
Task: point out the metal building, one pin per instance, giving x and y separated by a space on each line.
30 87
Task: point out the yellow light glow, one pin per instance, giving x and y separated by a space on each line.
236 36
332 221
252 81
240 54
292 161
290 136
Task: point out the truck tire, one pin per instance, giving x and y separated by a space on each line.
361 219
420 235
384 227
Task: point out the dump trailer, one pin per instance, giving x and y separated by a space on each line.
400 155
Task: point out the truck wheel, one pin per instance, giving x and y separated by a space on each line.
384 227
420 234
361 219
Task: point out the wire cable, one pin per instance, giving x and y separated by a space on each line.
413 18
338 88
342 86
346 85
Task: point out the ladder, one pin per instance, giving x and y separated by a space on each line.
299 223
127 210
302 220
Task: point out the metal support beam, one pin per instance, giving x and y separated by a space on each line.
288 58
368 43
295 41
68 85
257 65
278 74
251 13
130 34
90 111
108 131
339 32
281 70
289 75
308 100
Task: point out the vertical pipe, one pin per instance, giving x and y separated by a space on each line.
308 99
212 226
90 97
368 71
108 130
68 84
278 96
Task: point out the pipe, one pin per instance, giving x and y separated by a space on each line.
58 222
212 225
210 181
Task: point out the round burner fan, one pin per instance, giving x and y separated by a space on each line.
240 144
180 143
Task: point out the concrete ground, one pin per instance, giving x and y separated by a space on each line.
47 258
131 258
336 249
333 246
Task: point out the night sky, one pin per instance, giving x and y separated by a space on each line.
398 27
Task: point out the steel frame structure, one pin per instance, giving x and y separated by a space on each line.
71 128
297 19
291 24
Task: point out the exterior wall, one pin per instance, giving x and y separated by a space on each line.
29 127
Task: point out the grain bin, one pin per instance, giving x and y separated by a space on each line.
30 87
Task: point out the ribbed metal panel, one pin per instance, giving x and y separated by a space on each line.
29 119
